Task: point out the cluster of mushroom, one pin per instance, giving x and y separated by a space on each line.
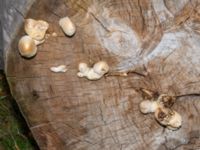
93 73
35 30
69 29
161 107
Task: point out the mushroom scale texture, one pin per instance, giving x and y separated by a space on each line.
169 118
161 107
166 100
36 29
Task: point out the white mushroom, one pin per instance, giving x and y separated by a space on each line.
36 28
83 70
39 42
148 106
95 73
61 68
169 118
27 47
54 34
161 105
101 68
67 26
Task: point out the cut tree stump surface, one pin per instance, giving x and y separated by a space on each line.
156 41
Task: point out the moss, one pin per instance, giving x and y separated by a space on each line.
14 133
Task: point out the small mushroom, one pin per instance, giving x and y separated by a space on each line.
148 106
83 70
161 105
36 29
95 73
61 68
169 118
27 47
54 34
67 26
101 68
166 100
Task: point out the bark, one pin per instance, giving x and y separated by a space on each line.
1 36
155 41
12 15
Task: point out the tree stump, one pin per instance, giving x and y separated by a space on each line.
155 41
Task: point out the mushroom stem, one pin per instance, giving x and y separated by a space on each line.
162 110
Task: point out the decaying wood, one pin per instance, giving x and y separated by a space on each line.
158 38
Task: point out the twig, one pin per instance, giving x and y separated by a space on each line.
190 94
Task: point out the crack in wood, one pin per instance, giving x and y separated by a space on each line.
189 94
92 14
19 12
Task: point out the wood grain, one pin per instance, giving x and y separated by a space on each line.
67 112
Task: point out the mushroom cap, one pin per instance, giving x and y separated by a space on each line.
67 26
101 67
168 117
36 28
148 106
83 67
27 47
166 100
176 121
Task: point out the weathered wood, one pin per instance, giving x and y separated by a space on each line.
156 41
1 35
12 13
1 47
